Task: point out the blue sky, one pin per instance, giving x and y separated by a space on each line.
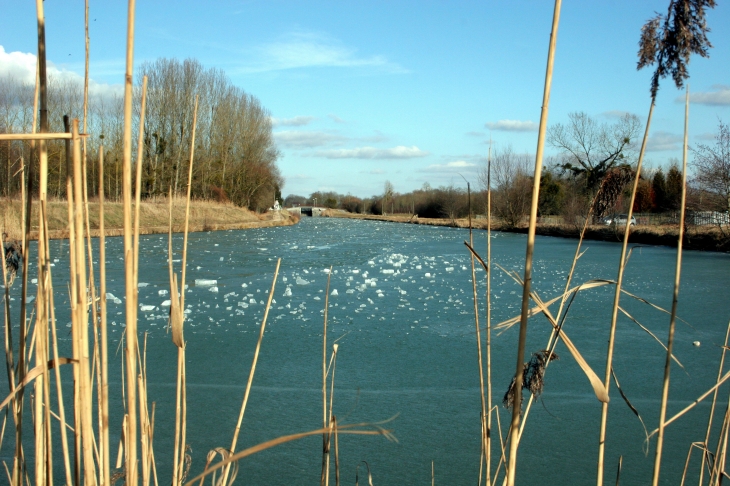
410 92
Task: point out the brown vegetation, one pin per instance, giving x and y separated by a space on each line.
154 217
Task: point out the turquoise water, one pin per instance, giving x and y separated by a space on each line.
403 314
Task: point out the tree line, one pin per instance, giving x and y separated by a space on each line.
593 167
235 153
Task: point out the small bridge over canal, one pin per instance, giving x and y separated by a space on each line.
312 211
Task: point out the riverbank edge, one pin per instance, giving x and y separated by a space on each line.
204 216
696 238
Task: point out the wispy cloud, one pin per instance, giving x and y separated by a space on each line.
307 50
719 97
373 172
512 126
303 139
664 141
296 121
336 118
399 152
450 167
21 67
616 113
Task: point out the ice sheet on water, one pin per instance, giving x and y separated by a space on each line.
146 308
165 303
301 281
142 284
204 282
334 292
162 292
213 289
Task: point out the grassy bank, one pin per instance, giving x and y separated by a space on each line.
703 238
154 217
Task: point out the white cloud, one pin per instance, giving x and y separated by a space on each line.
512 126
451 167
297 121
664 141
336 118
399 152
303 50
21 66
719 97
301 139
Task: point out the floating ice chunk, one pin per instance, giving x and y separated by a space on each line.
142 284
213 289
187 311
428 275
326 270
284 279
418 267
29 299
114 299
221 259
301 281
162 292
287 292
350 291
34 281
198 267
356 271
388 271
403 292
146 308
334 292
449 269
252 301
316 297
370 262
204 282
243 304
166 303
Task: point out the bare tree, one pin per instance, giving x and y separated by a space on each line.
511 185
590 149
712 164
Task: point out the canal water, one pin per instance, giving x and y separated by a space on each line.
402 312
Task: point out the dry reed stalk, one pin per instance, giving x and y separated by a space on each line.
354 429
712 408
692 405
129 277
718 466
104 388
42 385
40 137
483 414
517 407
251 375
488 431
59 389
617 296
333 365
675 298
82 315
181 410
325 423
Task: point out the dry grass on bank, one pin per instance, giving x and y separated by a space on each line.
154 217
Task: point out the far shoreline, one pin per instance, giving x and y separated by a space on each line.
698 238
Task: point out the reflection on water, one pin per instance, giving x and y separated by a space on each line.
401 305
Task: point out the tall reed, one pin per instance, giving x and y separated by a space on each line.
517 406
